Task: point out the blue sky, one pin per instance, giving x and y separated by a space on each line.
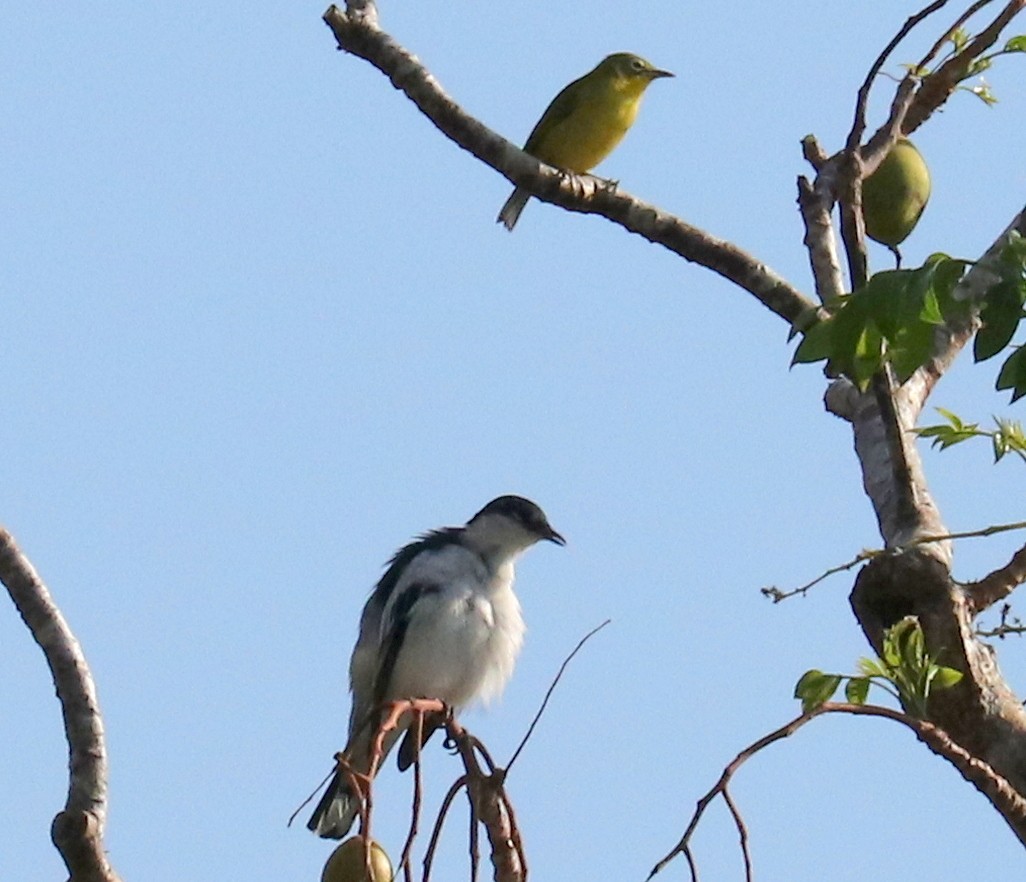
260 328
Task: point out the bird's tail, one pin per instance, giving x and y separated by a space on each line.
510 212
336 811
340 804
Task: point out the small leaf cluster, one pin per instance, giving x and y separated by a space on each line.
1007 438
961 39
904 669
893 320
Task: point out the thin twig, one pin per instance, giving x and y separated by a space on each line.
417 795
1009 624
961 20
551 689
436 831
1013 569
313 793
742 831
776 595
859 122
974 770
473 839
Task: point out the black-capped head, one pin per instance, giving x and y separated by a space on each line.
511 523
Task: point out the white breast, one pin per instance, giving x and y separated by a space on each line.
463 638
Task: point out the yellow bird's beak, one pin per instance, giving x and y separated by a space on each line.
655 73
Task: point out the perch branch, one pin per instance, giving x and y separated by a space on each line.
357 32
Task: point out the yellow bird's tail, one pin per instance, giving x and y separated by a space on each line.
510 212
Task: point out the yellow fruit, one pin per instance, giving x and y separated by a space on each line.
894 196
346 863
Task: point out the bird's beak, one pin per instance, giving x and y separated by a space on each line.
658 74
556 538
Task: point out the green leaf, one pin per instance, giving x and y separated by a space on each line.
1001 314
951 417
910 349
856 690
870 667
931 311
814 687
816 345
947 435
1016 44
912 645
1013 374
868 357
892 318
946 677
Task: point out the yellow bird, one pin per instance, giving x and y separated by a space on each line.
586 121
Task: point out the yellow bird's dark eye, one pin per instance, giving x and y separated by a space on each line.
637 65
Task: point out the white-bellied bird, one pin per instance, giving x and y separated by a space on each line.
443 623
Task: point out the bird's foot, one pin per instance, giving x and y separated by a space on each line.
607 184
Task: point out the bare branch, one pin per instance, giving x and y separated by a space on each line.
859 122
972 769
998 584
357 33
776 594
1008 625
78 830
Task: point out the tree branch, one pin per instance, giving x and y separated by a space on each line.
78 830
858 125
972 769
819 238
356 32
937 87
998 584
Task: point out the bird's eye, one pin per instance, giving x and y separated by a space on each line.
637 65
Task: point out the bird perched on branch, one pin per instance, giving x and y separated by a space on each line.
586 121
443 623
894 196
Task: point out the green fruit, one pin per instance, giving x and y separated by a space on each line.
346 863
894 196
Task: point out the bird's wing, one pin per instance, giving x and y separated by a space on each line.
558 110
363 666
394 626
